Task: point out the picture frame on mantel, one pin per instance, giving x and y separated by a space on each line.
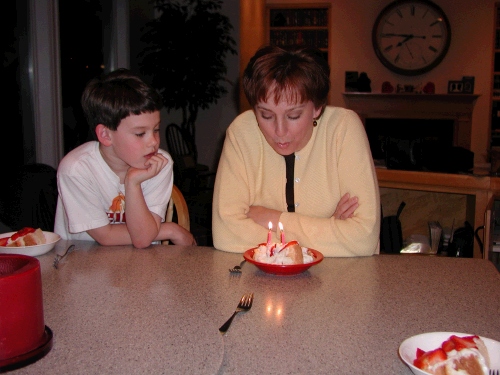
468 84
455 87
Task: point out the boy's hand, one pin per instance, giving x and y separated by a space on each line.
153 166
181 236
346 207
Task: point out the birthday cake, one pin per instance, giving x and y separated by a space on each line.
282 253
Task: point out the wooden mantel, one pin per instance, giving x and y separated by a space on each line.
457 107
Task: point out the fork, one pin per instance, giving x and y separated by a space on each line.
237 269
244 305
58 257
494 372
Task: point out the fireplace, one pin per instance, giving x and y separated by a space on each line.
435 123
380 131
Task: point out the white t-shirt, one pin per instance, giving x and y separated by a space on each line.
91 196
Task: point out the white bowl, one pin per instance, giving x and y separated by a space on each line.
433 340
33 251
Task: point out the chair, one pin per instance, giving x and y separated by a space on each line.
191 175
177 209
29 197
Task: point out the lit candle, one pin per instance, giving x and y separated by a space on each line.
270 233
282 232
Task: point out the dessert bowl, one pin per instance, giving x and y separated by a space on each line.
33 251
433 340
283 269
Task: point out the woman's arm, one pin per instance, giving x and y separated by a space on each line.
262 215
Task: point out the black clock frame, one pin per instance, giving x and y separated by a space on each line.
410 72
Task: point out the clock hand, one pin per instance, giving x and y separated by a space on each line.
404 40
391 34
408 48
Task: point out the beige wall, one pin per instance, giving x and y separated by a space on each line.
470 53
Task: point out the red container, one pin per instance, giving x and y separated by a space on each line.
24 338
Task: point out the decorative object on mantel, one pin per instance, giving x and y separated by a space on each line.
411 37
387 88
364 83
468 84
465 86
429 88
455 87
409 89
351 81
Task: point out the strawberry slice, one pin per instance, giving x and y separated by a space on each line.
271 251
3 241
291 243
465 342
420 352
448 346
429 358
22 232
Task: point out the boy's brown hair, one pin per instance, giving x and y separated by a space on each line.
112 97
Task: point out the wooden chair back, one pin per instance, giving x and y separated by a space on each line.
178 206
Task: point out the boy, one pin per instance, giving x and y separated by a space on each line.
116 190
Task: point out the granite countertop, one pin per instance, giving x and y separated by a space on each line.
120 310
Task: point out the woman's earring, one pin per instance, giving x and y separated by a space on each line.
315 122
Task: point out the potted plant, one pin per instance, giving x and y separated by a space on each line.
185 56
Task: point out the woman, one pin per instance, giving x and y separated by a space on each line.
293 159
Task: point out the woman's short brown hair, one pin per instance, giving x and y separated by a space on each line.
301 74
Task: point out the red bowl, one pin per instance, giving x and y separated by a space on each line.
283 269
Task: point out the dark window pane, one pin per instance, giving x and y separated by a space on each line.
81 33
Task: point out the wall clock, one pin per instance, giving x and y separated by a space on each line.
411 37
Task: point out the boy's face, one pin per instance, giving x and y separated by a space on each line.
137 139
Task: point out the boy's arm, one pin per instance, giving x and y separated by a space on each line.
143 226
176 234
112 234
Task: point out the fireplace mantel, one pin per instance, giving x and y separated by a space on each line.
457 107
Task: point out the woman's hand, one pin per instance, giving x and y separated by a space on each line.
346 207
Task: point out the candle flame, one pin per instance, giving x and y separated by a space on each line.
270 226
280 225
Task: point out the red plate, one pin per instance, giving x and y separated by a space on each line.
282 269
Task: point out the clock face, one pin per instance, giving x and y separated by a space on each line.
411 37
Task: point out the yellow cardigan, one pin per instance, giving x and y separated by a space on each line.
336 160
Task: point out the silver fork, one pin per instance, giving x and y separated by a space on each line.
237 269
494 372
244 305
58 257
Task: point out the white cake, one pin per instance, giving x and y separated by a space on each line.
283 254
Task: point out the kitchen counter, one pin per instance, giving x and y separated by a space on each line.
120 310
